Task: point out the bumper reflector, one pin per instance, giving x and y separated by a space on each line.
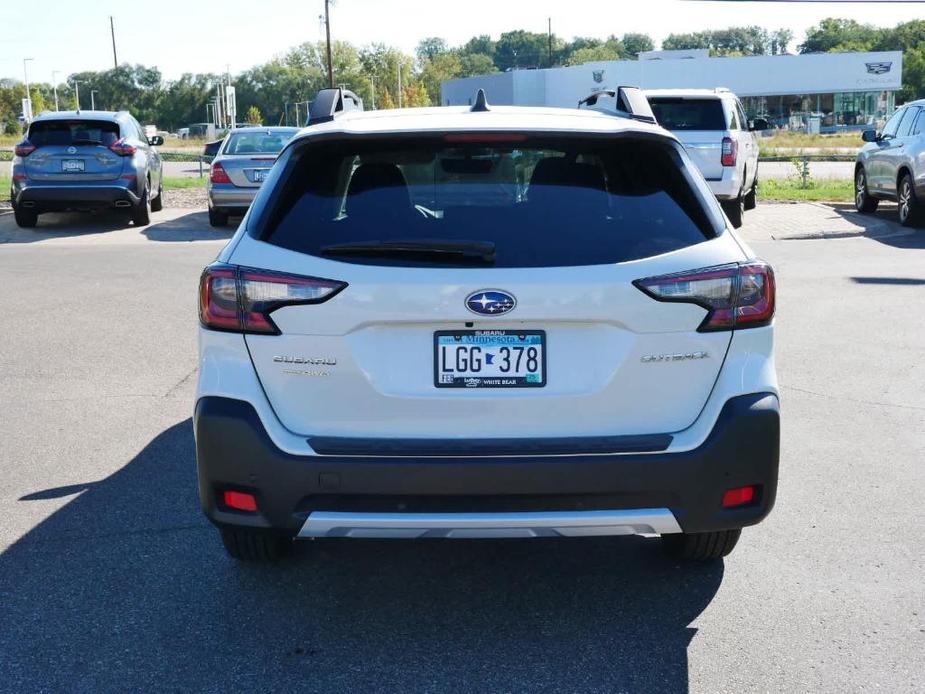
240 501
740 496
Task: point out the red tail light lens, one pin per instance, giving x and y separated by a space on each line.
218 174
236 299
740 496
24 149
122 148
730 151
735 296
240 501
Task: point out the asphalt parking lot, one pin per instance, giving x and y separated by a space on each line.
111 579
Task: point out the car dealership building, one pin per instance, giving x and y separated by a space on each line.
828 91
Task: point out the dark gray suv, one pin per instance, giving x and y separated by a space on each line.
891 166
85 160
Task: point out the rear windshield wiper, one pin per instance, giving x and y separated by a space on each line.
435 248
82 141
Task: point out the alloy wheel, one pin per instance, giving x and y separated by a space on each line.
905 200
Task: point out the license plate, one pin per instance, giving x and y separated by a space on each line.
260 175
490 358
69 165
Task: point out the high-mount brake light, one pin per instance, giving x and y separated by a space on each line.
122 148
240 299
218 174
736 296
730 152
24 148
485 137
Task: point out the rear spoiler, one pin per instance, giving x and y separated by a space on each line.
631 102
330 103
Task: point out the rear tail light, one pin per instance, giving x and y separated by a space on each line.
218 175
730 150
24 148
735 296
122 148
237 299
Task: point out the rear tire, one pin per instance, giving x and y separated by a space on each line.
25 219
701 546
217 219
863 202
245 544
734 209
157 203
141 214
910 210
751 197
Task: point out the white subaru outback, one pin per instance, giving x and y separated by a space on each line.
486 322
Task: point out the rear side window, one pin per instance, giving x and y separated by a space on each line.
73 132
689 114
257 143
538 202
905 128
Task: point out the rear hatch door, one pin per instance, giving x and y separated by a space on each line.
700 124
570 238
74 150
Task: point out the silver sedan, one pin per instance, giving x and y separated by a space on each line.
240 167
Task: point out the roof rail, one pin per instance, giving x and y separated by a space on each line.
329 103
631 103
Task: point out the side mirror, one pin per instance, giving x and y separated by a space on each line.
156 141
870 136
759 124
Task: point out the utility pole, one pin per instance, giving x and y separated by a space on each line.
93 99
372 87
77 93
399 80
549 39
327 31
112 30
54 86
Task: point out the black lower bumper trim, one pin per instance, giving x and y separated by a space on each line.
234 451
75 197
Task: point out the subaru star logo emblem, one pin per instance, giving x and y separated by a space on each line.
878 68
72 150
598 75
490 302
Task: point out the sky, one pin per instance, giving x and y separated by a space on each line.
180 36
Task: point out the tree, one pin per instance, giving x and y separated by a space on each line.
634 44
592 55
839 35
476 64
430 48
253 116
386 102
442 67
523 49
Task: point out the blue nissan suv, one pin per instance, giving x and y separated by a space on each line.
86 160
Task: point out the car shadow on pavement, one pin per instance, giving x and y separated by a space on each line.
882 226
193 226
126 587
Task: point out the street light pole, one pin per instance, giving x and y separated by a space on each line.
25 74
93 99
77 93
112 30
327 30
54 86
372 84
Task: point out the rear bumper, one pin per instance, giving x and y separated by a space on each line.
342 495
729 186
57 197
231 197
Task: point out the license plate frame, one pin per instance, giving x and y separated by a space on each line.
492 339
73 165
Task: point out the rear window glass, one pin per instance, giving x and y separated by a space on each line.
689 114
257 143
73 132
538 202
